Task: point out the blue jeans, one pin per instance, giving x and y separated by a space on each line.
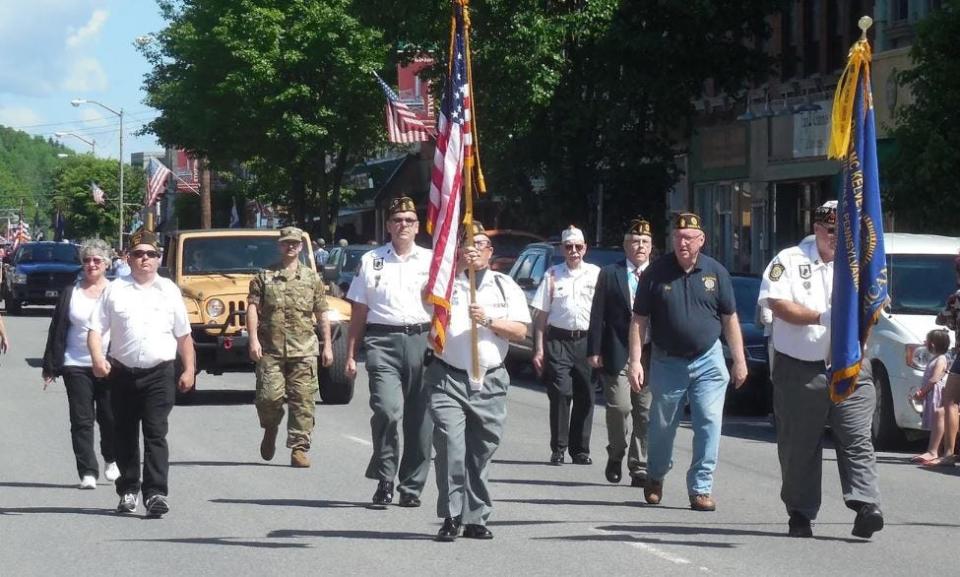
704 381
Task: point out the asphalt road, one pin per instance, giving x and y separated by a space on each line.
233 514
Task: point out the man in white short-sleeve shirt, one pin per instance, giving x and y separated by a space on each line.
148 325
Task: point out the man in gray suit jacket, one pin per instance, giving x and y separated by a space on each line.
608 351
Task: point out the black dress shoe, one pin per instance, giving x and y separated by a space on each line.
556 458
799 526
582 459
869 520
614 470
638 479
384 495
476 532
409 501
450 530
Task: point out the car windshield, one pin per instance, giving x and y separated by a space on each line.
920 283
49 253
232 254
746 289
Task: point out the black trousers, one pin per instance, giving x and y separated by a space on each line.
89 401
569 381
142 397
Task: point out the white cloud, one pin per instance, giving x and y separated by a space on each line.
85 75
49 44
19 116
89 31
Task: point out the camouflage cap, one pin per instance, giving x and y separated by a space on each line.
639 226
143 237
687 220
290 233
402 204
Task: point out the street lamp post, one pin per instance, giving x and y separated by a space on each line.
91 142
119 114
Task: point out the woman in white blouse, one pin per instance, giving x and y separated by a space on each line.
67 355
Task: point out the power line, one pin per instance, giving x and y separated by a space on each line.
63 122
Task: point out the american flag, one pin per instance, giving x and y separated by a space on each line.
97 192
157 175
404 125
454 144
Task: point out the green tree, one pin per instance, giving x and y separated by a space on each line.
283 85
586 93
71 188
923 190
26 166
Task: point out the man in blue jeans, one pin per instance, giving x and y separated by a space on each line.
686 299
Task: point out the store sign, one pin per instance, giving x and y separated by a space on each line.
811 131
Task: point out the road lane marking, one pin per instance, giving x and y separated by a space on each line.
358 440
648 548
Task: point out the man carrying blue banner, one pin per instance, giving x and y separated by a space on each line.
824 308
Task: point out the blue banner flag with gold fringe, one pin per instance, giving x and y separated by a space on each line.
860 264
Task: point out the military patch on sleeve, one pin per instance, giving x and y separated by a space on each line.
378 263
776 271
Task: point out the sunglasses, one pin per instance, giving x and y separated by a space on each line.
92 260
144 253
572 247
404 221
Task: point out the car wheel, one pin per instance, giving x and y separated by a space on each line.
884 430
335 387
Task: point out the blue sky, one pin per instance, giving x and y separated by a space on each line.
53 51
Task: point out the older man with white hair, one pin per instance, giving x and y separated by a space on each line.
563 302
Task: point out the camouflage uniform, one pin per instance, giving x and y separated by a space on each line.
287 303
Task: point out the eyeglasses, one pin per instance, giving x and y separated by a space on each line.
92 260
574 247
404 221
144 253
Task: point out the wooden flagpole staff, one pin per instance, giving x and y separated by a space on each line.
468 166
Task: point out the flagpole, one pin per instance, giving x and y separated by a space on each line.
468 206
481 183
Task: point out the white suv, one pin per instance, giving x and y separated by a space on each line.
920 271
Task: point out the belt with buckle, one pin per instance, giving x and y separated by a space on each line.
379 329
564 335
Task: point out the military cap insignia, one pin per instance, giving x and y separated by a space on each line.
776 271
143 237
805 271
402 204
378 263
639 227
687 220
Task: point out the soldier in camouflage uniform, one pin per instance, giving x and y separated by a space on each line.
283 302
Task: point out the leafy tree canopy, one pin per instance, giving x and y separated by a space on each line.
26 165
71 194
923 188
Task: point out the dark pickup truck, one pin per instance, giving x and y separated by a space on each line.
37 273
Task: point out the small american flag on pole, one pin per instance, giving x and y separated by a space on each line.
404 125
157 176
97 192
454 144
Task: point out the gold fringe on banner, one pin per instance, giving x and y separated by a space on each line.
841 124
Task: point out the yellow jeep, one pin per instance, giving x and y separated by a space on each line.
213 269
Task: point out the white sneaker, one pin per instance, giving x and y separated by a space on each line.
88 482
111 472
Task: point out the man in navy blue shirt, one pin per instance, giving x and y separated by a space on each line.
686 300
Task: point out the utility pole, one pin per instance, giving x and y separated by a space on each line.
206 220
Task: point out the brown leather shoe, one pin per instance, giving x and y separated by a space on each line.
702 503
653 491
299 458
268 446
